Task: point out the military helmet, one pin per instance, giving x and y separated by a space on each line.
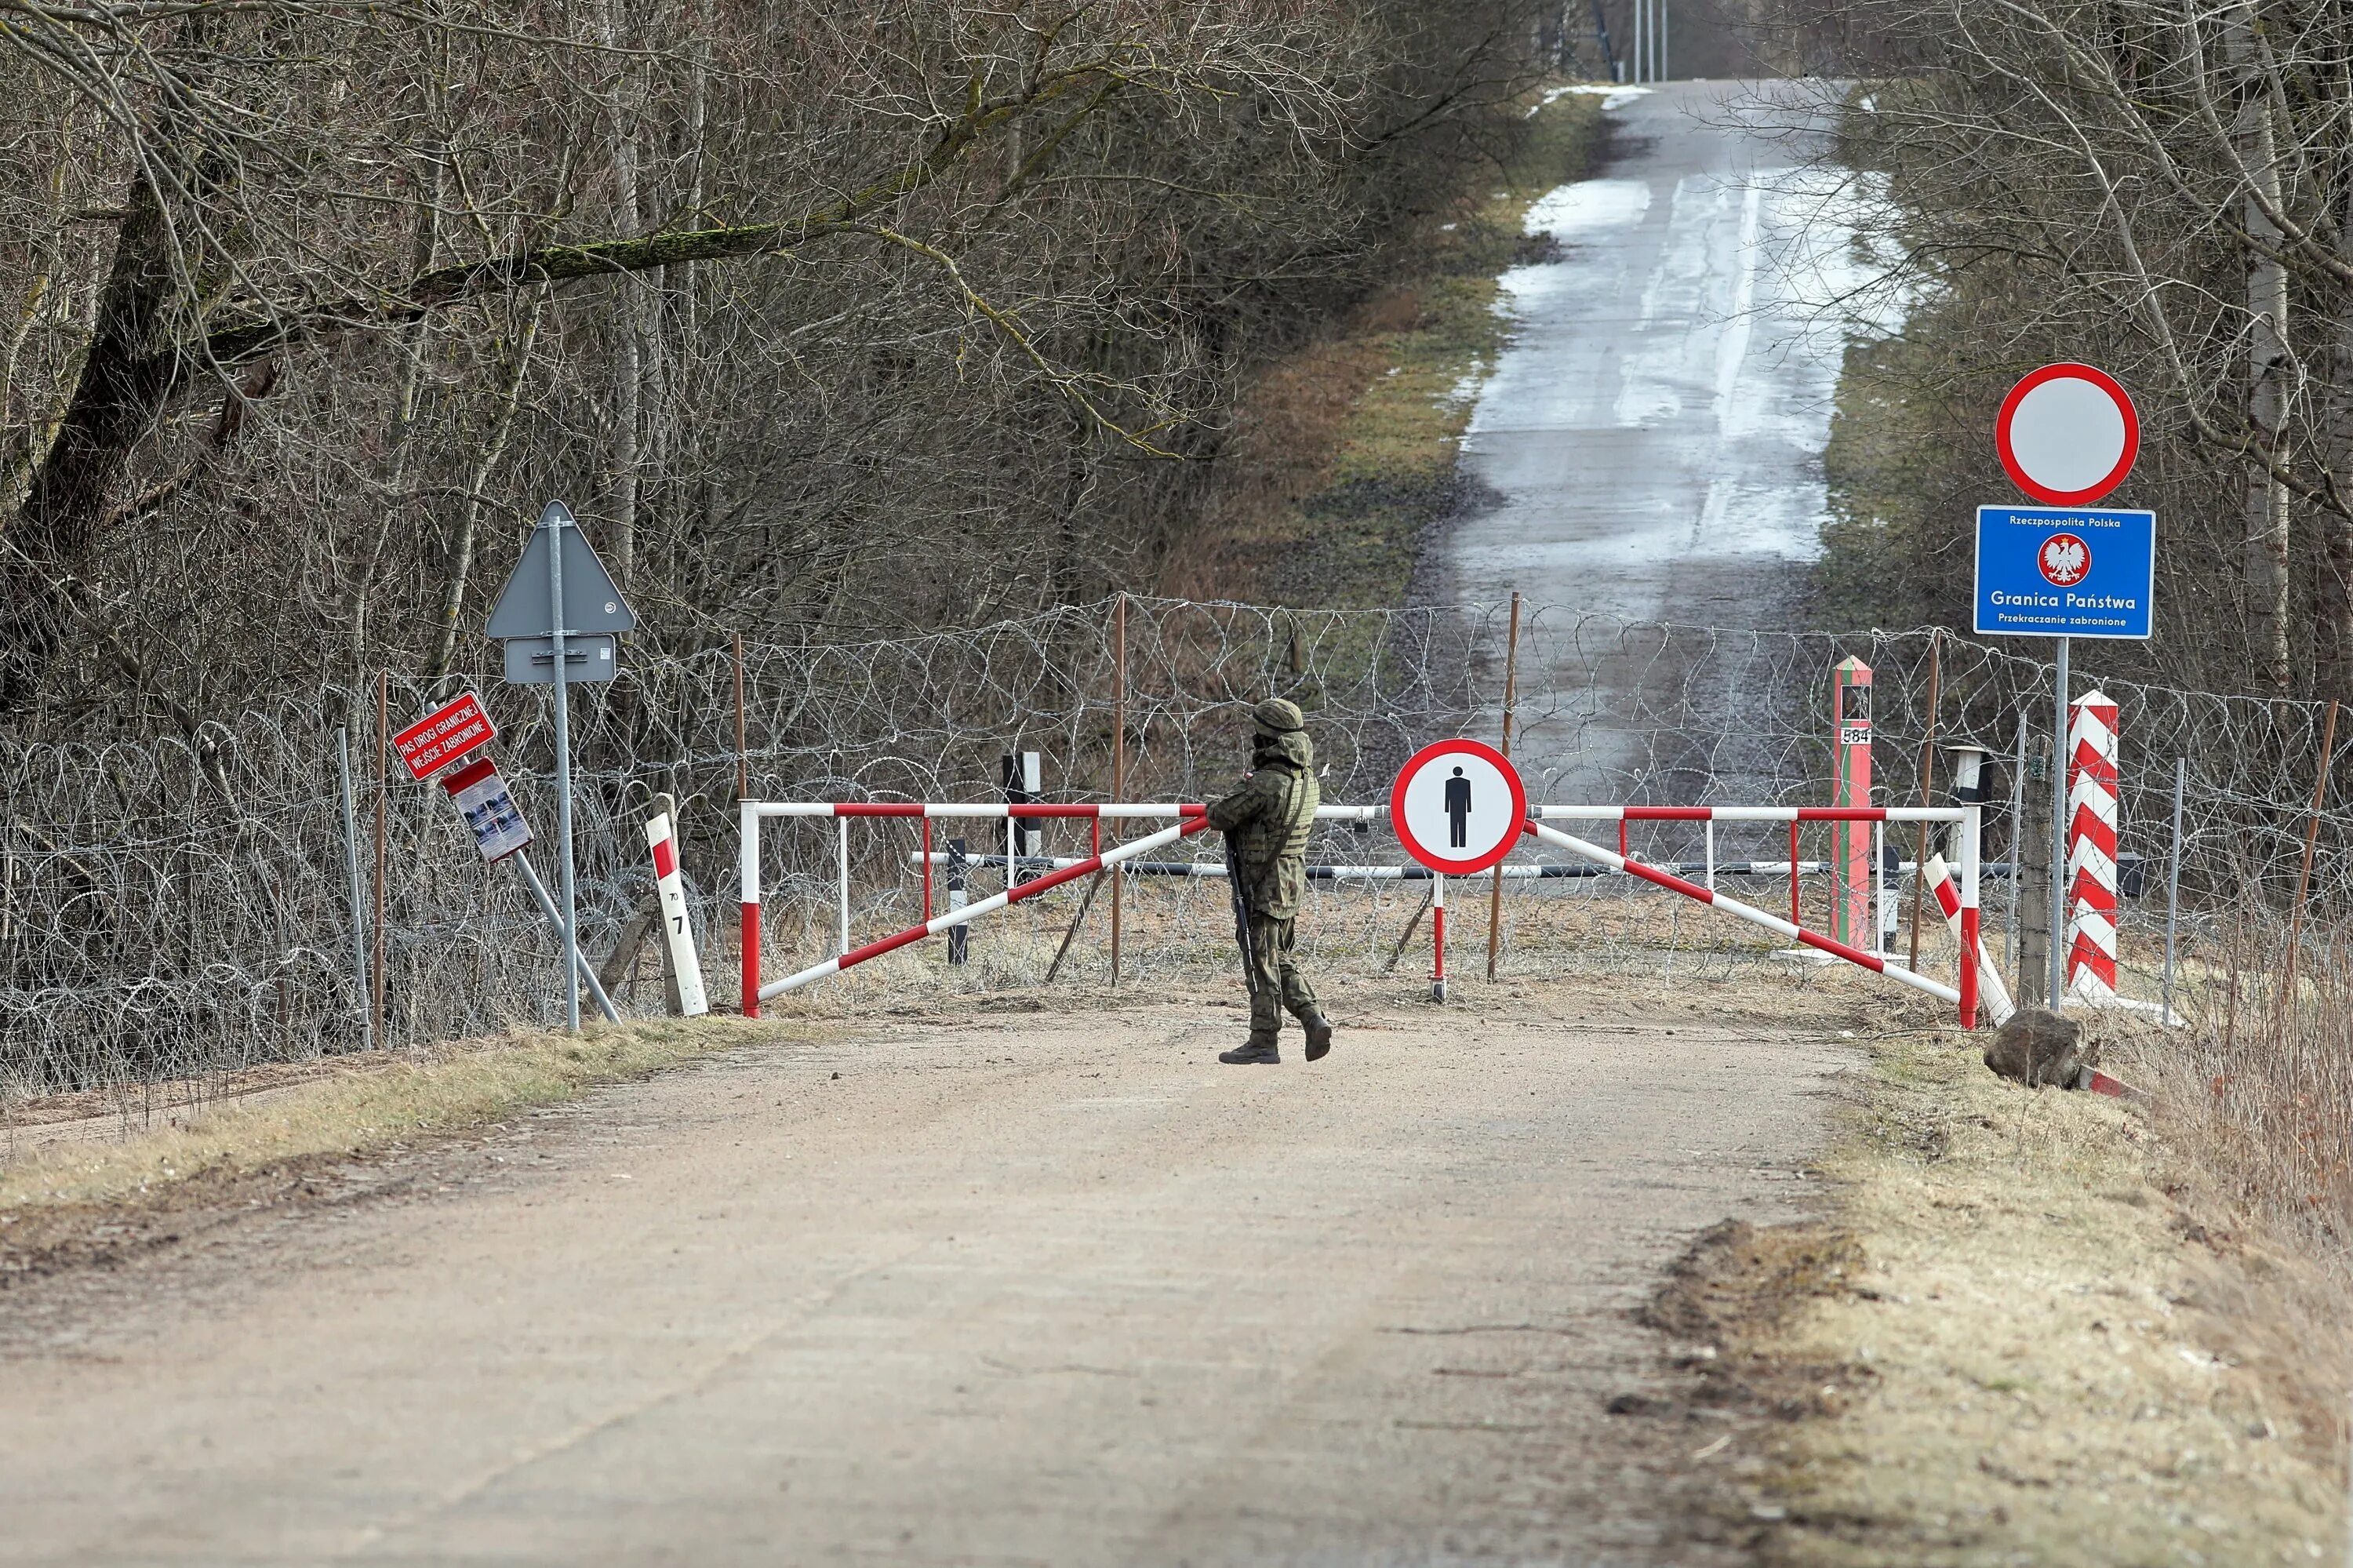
1278 716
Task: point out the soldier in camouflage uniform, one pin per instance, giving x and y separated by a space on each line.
1265 824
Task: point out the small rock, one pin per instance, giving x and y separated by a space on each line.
2035 1047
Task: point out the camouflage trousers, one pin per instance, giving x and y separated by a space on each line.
1274 979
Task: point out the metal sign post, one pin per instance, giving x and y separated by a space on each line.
2058 976
557 518
1457 806
2067 434
533 608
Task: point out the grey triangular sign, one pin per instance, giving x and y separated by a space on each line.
592 601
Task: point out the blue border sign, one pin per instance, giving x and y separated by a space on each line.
2066 571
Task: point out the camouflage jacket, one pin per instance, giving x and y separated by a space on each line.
1267 821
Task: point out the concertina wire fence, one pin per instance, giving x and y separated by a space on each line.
174 909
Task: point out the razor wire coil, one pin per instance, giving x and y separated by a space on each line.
178 906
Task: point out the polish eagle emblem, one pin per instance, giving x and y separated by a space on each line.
2065 559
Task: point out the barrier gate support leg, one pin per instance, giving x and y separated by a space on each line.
749 952
1438 936
1970 930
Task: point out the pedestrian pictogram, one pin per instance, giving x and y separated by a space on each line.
1457 806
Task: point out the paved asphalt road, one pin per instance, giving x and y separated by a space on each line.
1652 438
1014 1291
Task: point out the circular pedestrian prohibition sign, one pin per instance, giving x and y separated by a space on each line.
1457 806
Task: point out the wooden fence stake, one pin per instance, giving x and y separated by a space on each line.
2310 842
1411 926
1078 920
1511 697
1927 778
743 758
383 805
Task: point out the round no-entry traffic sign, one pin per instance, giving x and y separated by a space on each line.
2067 434
1457 806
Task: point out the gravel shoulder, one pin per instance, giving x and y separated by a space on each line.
1034 1287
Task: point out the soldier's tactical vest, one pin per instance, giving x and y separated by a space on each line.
1273 847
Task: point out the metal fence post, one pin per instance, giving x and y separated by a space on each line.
958 869
358 894
2173 879
2017 854
383 808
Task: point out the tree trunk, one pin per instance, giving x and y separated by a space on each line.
632 299
2267 373
2332 591
115 399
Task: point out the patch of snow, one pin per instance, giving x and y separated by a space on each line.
1612 97
1573 211
1466 389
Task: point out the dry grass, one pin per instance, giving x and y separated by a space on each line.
358 1111
2257 1098
2047 1358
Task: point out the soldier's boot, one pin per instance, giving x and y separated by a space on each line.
1319 1035
1256 1052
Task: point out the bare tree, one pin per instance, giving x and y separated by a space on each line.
829 322
2161 187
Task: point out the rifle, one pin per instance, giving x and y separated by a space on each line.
1241 898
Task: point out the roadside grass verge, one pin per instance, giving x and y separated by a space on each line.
1343 454
361 1110
2037 1351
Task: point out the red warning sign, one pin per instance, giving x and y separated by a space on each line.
443 735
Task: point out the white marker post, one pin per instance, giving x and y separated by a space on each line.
677 930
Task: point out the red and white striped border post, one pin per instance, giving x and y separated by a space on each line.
2092 779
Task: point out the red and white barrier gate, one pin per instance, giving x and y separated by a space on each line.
1966 996
1192 818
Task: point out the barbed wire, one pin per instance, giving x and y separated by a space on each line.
176 907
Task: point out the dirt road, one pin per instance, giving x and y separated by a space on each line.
1018 1291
